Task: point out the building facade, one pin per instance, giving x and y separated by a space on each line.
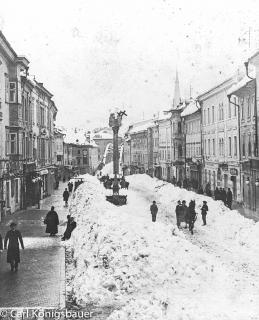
191 117
26 134
220 139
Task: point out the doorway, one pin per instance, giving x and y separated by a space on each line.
234 186
225 181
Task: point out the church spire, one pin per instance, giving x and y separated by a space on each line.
177 97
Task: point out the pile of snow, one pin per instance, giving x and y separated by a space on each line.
151 270
225 227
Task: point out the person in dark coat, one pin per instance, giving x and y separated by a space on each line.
185 213
216 193
229 198
11 243
153 211
204 210
179 184
52 222
179 213
224 196
200 190
192 215
220 194
70 186
65 196
71 225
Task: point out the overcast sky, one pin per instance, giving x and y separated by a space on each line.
95 55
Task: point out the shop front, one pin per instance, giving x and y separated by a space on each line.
250 184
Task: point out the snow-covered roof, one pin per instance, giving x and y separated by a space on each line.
141 126
191 108
240 84
104 134
78 136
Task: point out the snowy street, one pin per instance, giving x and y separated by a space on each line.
155 271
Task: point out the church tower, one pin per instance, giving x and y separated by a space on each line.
177 97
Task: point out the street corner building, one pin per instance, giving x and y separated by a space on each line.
27 144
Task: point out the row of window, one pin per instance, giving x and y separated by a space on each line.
193 126
246 106
193 149
210 147
26 146
177 152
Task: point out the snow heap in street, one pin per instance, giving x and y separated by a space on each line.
148 270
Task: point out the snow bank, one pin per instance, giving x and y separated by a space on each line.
225 226
144 269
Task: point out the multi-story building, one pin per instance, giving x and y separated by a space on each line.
192 133
58 147
154 169
220 139
242 95
137 146
171 144
80 154
12 67
165 147
26 132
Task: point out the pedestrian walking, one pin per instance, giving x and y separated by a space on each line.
65 196
11 242
153 211
204 210
192 215
71 225
179 213
52 222
229 198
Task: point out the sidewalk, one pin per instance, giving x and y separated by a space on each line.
40 280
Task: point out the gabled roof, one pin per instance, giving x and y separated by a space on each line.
191 108
237 87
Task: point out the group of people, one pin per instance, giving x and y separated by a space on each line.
52 221
184 213
108 183
226 197
13 239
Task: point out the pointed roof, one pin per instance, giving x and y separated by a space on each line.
177 96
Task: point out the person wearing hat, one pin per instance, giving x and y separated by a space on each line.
153 211
11 243
204 210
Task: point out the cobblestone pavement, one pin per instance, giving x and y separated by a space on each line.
40 280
